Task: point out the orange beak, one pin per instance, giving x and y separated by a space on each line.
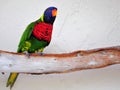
54 12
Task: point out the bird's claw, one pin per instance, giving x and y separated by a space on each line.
27 54
40 53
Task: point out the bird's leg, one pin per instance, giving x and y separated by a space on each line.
40 51
27 54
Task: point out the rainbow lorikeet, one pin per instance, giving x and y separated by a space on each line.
36 37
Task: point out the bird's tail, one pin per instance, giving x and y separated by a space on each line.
11 80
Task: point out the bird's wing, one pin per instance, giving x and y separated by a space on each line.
26 35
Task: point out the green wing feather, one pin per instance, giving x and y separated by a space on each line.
26 35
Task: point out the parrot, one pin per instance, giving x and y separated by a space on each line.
35 38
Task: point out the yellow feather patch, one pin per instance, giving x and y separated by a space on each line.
12 79
42 18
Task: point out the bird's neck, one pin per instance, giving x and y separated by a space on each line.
42 20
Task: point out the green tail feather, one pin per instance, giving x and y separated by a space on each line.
11 80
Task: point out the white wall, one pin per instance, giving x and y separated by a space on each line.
80 24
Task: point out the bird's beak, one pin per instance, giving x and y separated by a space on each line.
54 12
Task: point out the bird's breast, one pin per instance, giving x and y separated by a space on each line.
43 31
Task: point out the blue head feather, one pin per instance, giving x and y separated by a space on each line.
48 18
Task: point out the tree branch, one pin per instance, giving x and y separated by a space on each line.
59 63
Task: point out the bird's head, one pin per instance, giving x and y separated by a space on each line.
50 15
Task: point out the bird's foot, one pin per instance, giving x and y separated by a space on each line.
27 54
39 53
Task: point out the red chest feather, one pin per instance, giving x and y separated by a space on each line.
43 31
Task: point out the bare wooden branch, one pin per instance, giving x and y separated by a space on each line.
59 63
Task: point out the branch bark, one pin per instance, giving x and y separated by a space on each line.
59 63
